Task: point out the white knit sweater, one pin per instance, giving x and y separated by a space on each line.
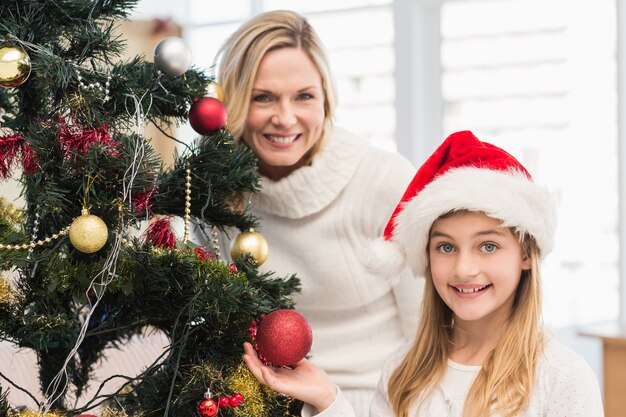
318 221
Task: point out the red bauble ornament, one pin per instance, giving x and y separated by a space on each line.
207 114
283 337
207 408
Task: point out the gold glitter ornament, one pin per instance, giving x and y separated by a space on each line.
88 233
252 243
14 66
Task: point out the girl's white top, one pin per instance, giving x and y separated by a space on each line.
565 387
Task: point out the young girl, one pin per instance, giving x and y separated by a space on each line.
475 225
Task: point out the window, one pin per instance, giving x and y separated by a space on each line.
539 79
361 56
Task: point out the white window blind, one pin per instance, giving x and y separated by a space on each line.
537 77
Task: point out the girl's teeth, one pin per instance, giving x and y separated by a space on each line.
470 290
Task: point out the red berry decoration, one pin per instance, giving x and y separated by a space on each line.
224 401
207 408
207 114
283 337
235 400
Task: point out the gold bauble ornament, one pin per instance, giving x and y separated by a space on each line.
14 66
251 243
88 233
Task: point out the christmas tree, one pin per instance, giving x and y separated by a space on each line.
77 276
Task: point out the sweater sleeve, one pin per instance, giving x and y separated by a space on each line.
339 408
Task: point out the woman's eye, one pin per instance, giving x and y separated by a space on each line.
489 247
261 98
445 248
305 96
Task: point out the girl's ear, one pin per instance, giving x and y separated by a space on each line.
526 263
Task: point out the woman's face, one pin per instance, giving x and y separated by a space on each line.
476 266
286 116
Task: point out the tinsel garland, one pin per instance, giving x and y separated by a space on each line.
31 413
10 149
77 140
6 294
9 212
142 202
29 162
160 234
255 395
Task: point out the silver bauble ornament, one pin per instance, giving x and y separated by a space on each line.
172 56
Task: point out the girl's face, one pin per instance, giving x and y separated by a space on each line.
286 116
476 266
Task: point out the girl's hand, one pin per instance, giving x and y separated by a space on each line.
305 382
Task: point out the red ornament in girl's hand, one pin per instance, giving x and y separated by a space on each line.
283 337
207 408
207 114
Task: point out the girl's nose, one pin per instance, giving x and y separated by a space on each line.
466 265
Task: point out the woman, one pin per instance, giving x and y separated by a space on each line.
325 193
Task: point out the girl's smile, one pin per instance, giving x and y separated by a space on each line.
476 265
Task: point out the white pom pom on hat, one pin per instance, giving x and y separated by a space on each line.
463 173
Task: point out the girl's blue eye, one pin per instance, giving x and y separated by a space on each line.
489 247
445 248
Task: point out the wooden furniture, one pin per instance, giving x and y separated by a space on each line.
614 366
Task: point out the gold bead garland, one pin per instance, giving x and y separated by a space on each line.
216 245
40 242
187 202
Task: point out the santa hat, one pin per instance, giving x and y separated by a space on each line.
462 174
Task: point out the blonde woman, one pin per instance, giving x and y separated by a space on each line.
324 194
475 225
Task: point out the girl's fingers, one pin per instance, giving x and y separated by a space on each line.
253 362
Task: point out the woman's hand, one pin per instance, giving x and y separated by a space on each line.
305 382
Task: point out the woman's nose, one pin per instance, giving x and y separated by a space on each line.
285 116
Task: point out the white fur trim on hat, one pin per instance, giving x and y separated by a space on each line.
509 196
385 258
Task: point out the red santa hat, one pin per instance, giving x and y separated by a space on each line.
462 174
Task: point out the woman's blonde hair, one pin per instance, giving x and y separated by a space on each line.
505 381
242 52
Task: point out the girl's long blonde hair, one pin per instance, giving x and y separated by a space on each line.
505 381
240 56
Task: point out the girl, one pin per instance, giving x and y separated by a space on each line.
474 224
